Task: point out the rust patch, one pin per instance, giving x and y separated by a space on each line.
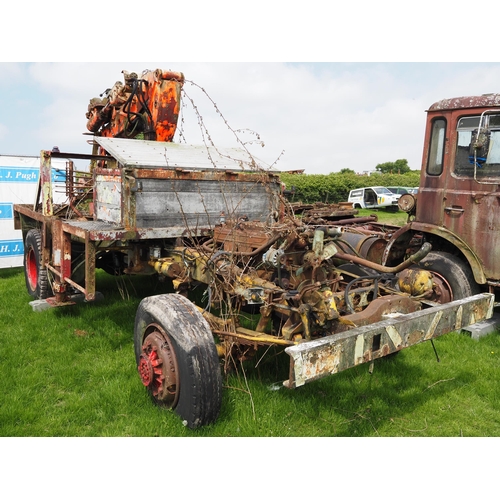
484 101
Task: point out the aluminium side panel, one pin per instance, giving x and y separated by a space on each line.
192 203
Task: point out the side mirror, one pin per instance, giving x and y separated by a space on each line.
479 147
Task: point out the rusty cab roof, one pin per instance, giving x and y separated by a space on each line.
482 101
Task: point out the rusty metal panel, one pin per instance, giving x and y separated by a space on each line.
135 153
90 253
235 240
480 223
108 197
474 215
430 204
45 181
171 185
105 231
318 358
466 102
57 243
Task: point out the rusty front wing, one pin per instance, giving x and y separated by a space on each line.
316 359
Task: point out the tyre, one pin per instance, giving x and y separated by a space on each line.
452 278
177 359
37 281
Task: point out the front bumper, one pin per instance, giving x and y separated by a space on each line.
316 359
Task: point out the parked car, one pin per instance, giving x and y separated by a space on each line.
373 197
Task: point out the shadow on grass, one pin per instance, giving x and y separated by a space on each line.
11 272
121 296
355 402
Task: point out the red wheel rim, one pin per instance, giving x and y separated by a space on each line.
32 269
157 366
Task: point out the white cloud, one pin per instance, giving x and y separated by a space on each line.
324 116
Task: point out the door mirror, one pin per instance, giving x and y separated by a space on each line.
479 147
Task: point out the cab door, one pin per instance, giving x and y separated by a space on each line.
430 203
471 196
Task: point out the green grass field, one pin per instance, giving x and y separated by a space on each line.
398 218
71 372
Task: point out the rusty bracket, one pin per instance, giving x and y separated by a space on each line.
316 359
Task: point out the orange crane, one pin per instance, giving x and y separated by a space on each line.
147 105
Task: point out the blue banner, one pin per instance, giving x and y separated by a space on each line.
6 211
11 248
27 174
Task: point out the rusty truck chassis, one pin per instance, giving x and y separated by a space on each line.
290 273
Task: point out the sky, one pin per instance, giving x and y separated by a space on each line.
317 116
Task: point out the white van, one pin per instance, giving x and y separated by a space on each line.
373 197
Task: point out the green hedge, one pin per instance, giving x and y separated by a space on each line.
335 187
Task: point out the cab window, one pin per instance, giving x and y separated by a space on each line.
436 149
487 161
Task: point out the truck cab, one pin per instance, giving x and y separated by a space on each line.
458 209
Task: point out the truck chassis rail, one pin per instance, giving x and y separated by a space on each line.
319 358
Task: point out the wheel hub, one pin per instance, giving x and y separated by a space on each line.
158 366
442 291
146 367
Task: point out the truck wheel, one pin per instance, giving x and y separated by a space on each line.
177 359
452 279
37 281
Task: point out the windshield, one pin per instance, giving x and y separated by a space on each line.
488 166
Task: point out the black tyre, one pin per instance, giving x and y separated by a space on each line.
37 281
452 278
177 358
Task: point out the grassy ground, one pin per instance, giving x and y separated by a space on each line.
398 218
71 372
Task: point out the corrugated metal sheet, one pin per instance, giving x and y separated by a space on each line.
151 154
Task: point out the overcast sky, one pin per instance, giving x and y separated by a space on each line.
320 117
